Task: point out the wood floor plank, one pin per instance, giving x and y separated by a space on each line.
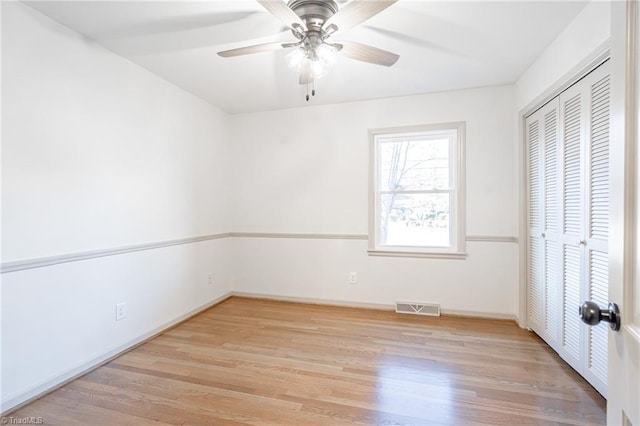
263 362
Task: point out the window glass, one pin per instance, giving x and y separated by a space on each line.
417 164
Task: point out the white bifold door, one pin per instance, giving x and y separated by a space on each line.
568 219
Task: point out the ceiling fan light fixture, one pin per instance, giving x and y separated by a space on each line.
318 69
295 58
316 59
327 54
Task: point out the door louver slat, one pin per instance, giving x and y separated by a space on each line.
534 175
599 276
571 324
551 223
599 206
535 279
572 181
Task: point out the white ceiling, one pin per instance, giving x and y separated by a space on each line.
443 45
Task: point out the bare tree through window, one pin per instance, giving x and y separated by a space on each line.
415 188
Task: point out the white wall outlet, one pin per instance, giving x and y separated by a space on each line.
121 311
353 278
210 279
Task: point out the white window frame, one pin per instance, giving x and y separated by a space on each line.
457 250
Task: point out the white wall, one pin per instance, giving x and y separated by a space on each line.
306 171
98 153
589 31
96 145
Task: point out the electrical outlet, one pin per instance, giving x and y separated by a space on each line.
121 311
210 279
353 278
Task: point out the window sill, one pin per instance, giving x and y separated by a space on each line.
418 254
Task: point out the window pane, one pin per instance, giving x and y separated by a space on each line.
415 220
414 164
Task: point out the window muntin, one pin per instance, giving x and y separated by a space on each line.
417 192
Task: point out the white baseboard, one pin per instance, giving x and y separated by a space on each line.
312 301
476 314
379 306
15 402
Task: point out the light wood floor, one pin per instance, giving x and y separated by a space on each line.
263 362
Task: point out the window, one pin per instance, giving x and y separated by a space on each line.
417 191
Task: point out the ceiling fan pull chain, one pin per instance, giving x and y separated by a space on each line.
313 88
307 91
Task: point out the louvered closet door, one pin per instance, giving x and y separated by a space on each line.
551 221
544 231
573 124
535 288
597 222
584 152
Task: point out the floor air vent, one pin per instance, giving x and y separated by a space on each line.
430 309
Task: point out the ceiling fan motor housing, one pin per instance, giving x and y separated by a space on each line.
314 13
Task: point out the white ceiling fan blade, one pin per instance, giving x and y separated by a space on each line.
366 53
280 10
257 48
356 12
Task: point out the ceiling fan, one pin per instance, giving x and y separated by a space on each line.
312 22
